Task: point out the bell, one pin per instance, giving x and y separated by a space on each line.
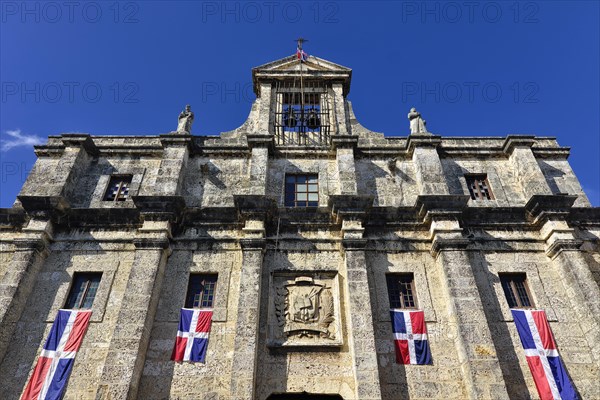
289 118
312 120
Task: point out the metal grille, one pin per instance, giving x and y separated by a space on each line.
83 291
479 189
118 188
401 290
201 291
302 114
516 290
301 191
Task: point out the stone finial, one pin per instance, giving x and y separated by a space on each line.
186 117
417 124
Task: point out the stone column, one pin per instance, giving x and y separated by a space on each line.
344 156
266 109
50 185
31 251
466 319
523 162
243 373
360 308
129 342
428 166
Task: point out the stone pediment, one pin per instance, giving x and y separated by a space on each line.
313 67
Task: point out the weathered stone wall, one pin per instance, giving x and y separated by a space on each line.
49 294
317 369
215 205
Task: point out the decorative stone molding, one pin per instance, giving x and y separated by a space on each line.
421 140
80 140
541 207
556 247
513 141
440 206
304 310
344 142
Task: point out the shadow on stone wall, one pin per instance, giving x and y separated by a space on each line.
29 333
392 376
505 350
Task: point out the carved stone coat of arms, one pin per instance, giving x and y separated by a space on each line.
304 310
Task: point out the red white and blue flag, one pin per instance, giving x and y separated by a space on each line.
192 335
51 373
302 56
549 373
410 337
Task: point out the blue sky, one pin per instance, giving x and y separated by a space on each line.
471 68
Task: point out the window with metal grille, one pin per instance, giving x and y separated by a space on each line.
302 113
479 188
83 291
201 291
516 290
118 188
301 191
401 290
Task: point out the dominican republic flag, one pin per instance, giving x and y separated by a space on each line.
51 373
410 337
549 374
302 56
192 335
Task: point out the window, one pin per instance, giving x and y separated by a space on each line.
516 291
118 188
302 113
84 289
479 188
301 191
201 291
401 290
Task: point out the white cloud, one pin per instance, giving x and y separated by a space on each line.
17 139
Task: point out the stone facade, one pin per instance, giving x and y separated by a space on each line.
216 204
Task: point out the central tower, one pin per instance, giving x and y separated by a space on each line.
305 98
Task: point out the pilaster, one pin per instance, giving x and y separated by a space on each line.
344 155
50 185
31 251
526 167
129 342
351 211
428 166
339 109
564 249
247 326
465 312
259 162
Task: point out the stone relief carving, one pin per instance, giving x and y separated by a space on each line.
305 310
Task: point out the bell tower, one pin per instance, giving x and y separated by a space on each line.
306 98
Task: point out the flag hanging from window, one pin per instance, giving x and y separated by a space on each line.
192 335
410 337
51 373
549 373
302 56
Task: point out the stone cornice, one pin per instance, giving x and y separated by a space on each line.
344 141
421 140
452 206
560 245
513 141
541 207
